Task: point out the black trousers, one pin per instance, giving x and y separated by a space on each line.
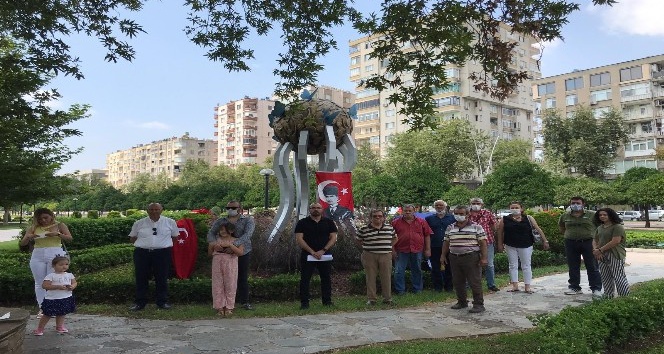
155 263
242 295
307 270
441 279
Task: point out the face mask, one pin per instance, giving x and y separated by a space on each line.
232 212
576 207
460 218
515 211
475 207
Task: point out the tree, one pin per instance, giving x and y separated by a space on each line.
31 133
648 192
519 180
583 142
629 186
368 164
507 150
593 191
458 195
447 149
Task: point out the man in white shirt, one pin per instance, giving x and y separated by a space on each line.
153 237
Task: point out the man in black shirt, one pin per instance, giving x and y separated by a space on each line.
315 234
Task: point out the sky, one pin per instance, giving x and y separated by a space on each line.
172 88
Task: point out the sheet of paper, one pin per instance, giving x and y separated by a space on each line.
5 316
324 258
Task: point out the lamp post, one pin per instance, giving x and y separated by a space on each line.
75 200
267 172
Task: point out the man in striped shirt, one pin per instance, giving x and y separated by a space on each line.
377 240
465 243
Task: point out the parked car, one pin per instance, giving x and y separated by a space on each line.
629 215
653 215
503 212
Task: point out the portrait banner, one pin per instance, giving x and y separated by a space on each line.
335 194
185 249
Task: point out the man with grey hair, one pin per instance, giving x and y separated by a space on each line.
441 274
485 218
465 244
413 239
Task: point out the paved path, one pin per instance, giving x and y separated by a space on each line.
8 235
506 312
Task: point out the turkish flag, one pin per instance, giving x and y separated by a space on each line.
185 249
335 193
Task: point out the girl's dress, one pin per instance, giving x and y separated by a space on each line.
59 302
224 280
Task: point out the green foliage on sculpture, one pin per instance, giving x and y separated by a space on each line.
312 115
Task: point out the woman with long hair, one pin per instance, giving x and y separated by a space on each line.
515 232
609 250
48 236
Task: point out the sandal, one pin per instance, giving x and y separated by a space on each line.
229 312
513 290
529 292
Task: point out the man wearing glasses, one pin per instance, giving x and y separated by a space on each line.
244 228
152 237
377 240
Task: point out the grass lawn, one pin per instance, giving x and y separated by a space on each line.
12 226
9 246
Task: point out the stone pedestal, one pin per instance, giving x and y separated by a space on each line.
12 330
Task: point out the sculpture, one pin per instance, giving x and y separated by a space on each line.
308 127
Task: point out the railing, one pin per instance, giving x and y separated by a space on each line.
644 96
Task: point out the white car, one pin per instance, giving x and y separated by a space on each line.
653 215
503 212
629 215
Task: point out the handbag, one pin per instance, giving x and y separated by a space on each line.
537 238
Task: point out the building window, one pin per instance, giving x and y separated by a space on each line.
374 140
355 71
367 57
600 112
571 100
355 60
368 68
389 125
601 95
390 113
546 89
635 90
550 102
600 79
632 73
646 127
573 84
447 101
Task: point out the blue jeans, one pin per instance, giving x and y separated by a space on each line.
490 269
412 261
574 249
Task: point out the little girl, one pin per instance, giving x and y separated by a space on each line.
224 269
59 300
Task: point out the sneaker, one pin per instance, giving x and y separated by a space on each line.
574 292
371 302
62 330
477 309
459 306
494 288
38 332
247 306
597 294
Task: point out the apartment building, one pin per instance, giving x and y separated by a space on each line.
635 87
243 131
509 119
167 156
91 175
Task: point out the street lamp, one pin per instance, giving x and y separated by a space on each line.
75 200
267 172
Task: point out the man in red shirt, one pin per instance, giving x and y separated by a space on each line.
413 238
485 218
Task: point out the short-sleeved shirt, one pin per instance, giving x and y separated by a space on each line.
438 225
578 227
316 234
244 229
376 240
144 230
59 279
464 239
485 219
411 234
604 235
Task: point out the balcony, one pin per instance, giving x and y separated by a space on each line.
230 147
247 154
658 75
251 118
216 133
645 96
658 92
249 126
230 157
216 125
637 115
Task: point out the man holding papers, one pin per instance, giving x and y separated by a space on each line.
315 234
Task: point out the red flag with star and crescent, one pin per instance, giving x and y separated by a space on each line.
185 249
335 194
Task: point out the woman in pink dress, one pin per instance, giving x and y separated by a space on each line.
224 255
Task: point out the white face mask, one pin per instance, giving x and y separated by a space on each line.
515 211
460 218
475 207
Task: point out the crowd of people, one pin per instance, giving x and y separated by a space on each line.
457 244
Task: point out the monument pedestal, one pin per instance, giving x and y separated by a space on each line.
12 330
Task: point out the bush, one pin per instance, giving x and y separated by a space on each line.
130 212
96 259
77 215
113 214
548 222
93 214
